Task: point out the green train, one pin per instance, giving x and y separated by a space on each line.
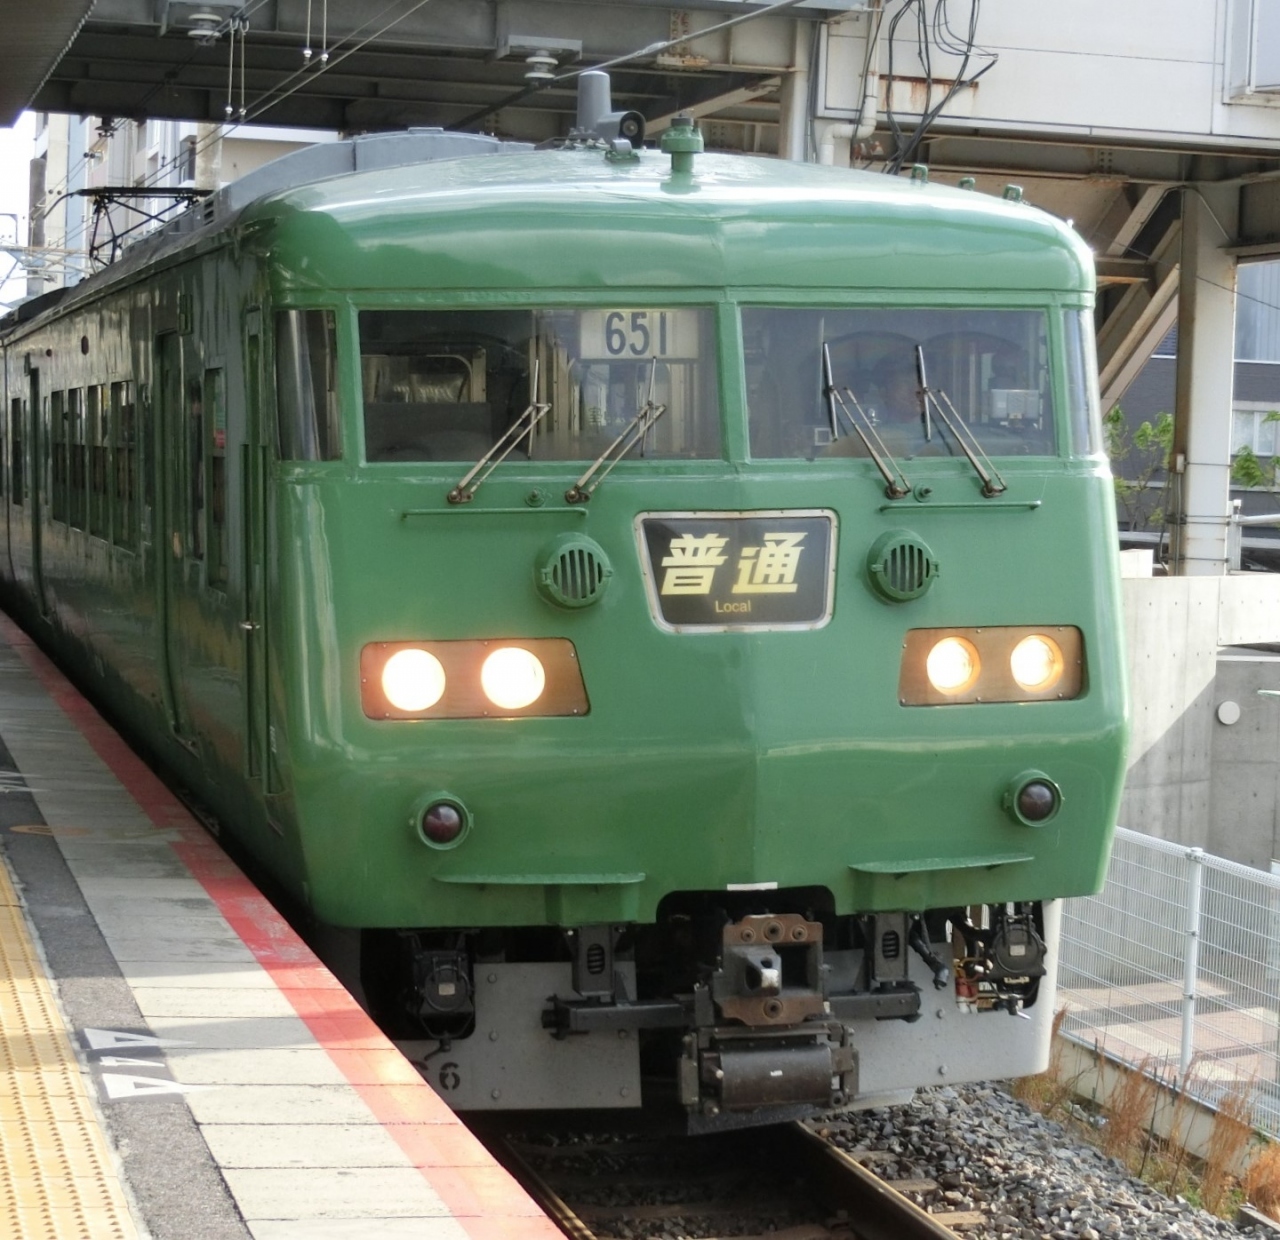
663 603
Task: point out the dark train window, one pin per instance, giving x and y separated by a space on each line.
306 386
215 414
992 366
445 385
96 436
195 468
18 491
59 435
15 422
147 468
124 441
76 492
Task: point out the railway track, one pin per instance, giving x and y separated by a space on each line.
780 1183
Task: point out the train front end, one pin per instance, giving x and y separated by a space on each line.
699 607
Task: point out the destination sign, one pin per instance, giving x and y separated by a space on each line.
750 570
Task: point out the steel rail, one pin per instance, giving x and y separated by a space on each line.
882 1213
876 1209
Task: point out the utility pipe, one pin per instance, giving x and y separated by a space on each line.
848 131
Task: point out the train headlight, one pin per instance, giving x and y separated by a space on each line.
1036 663
471 679
953 665
413 680
1022 663
513 678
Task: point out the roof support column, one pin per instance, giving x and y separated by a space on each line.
1206 354
793 138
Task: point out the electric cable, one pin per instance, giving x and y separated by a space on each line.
905 152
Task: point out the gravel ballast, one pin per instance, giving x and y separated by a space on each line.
1031 1177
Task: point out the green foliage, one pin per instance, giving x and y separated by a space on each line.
1149 445
1250 470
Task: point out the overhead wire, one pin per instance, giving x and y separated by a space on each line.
238 24
113 127
277 93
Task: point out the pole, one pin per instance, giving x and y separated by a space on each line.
1191 963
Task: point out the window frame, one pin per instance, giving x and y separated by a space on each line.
1051 307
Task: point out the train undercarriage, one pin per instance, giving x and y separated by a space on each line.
744 1012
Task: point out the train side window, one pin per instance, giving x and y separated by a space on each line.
76 459
1082 383
306 386
215 413
96 436
58 434
195 468
146 462
15 421
18 440
123 438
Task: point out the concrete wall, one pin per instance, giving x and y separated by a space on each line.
1171 628
1244 796
1193 779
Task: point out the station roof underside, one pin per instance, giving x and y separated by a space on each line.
36 37
437 63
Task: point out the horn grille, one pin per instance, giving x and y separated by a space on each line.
901 566
574 572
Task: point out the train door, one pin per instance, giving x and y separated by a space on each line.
171 532
253 471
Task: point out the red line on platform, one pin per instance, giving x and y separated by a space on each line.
483 1197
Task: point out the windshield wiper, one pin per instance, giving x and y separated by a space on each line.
896 484
635 432
523 426
992 483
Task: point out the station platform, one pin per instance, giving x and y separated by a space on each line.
175 1062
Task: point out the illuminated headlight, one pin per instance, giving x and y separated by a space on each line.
950 667
471 679
513 678
413 680
1036 663
953 665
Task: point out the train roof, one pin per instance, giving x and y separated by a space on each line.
572 219
428 210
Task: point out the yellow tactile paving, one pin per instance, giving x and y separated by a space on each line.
56 1176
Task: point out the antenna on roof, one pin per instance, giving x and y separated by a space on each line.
598 120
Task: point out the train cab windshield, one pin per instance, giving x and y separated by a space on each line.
992 366
446 385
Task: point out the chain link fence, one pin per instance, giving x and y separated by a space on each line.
1175 968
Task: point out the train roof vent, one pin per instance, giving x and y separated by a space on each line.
573 571
901 566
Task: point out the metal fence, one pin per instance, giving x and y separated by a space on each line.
1175 967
